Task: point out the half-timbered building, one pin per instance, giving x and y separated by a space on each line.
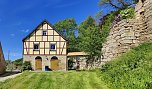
45 48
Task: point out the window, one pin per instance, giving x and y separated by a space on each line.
52 47
142 1
44 33
36 47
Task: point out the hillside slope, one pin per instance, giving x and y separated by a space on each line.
133 70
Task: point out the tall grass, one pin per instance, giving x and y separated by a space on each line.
132 70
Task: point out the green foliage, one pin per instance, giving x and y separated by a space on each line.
9 65
90 37
119 4
18 61
67 28
105 28
89 22
72 42
27 66
70 63
128 13
8 62
132 70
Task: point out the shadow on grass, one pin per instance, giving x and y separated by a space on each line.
9 73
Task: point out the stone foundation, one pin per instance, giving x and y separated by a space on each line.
46 61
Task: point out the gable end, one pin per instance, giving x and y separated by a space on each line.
45 21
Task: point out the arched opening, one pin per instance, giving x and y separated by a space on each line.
54 63
38 57
54 58
38 63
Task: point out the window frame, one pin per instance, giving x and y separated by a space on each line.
38 47
55 47
43 32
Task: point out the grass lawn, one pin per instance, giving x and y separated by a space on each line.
54 80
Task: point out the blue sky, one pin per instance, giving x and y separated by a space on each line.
19 17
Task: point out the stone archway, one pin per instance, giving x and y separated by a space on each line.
54 63
38 63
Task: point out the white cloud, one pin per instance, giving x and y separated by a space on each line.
25 31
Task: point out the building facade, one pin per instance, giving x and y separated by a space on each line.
2 61
45 48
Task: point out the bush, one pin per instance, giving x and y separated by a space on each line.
128 13
26 66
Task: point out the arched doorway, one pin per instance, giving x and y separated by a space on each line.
54 63
38 63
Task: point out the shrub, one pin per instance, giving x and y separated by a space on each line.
128 13
70 63
26 66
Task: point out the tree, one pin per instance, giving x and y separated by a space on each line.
89 22
90 39
85 33
117 4
18 61
67 28
9 65
114 5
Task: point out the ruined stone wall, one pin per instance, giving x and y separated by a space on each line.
129 33
147 29
123 36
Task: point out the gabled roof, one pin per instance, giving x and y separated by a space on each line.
45 21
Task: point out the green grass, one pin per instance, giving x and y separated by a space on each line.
54 80
133 70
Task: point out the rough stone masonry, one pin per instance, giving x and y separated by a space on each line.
129 33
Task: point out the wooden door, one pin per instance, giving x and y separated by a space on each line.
38 64
54 64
